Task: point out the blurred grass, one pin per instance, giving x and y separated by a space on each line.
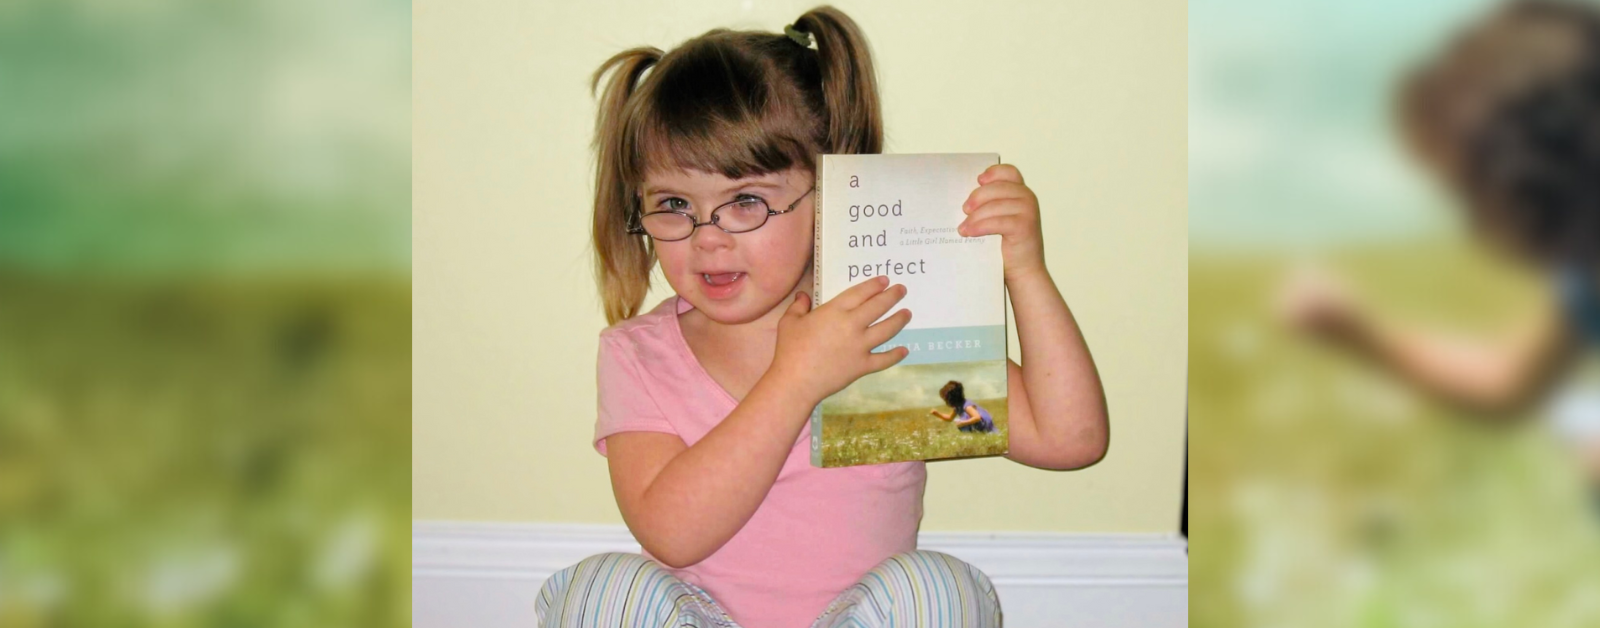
1328 494
204 453
873 437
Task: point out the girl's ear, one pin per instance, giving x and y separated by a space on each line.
849 84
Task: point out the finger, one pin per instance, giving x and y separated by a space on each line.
997 190
1002 225
885 359
855 295
1000 207
874 307
885 330
1000 172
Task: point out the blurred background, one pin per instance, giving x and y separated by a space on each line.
1328 489
204 313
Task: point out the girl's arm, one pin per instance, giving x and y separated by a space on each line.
1481 374
681 502
1057 417
947 418
972 417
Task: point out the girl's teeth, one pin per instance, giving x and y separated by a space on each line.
722 279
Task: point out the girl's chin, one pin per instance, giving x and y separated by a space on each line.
746 306
729 312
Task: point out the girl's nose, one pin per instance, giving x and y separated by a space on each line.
711 238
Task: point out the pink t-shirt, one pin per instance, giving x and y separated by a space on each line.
819 530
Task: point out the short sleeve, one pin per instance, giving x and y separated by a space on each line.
625 403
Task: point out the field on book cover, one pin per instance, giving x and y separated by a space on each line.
886 416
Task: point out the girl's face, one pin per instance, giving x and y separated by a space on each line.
735 278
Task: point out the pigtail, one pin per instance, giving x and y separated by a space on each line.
849 85
622 260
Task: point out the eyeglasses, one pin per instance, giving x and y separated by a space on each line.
740 216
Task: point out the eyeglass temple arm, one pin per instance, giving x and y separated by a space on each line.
796 203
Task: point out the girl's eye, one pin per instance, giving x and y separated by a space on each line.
749 205
677 204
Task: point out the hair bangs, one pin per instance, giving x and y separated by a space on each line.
715 110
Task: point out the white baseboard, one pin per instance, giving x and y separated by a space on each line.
487 574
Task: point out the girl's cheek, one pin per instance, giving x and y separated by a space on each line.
791 251
671 261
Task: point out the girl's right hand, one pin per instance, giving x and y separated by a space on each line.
823 350
1316 302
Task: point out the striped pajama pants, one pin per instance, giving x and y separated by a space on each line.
920 588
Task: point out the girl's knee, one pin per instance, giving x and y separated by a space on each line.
623 589
942 572
924 587
611 560
586 580
619 559
922 564
591 567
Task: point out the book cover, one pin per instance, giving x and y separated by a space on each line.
896 215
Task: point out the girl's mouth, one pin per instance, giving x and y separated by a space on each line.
721 285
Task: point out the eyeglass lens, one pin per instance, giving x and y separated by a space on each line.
736 217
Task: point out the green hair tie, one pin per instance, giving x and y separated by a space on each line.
800 37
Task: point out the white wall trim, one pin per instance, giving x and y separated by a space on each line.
1113 579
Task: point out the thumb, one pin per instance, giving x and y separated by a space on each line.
801 304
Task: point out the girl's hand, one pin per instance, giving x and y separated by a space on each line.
1315 302
1004 205
821 351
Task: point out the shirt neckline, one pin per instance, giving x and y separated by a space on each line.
680 306
677 334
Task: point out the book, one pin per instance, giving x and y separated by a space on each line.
896 215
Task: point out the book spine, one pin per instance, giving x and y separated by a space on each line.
816 291
816 225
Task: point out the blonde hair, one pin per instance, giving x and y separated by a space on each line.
734 103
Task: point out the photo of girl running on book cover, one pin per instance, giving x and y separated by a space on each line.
964 413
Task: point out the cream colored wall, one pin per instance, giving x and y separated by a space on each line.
1086 98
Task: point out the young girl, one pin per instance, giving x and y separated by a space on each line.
967 415
705 165
1509 118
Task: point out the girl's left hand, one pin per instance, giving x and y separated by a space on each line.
1004 205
